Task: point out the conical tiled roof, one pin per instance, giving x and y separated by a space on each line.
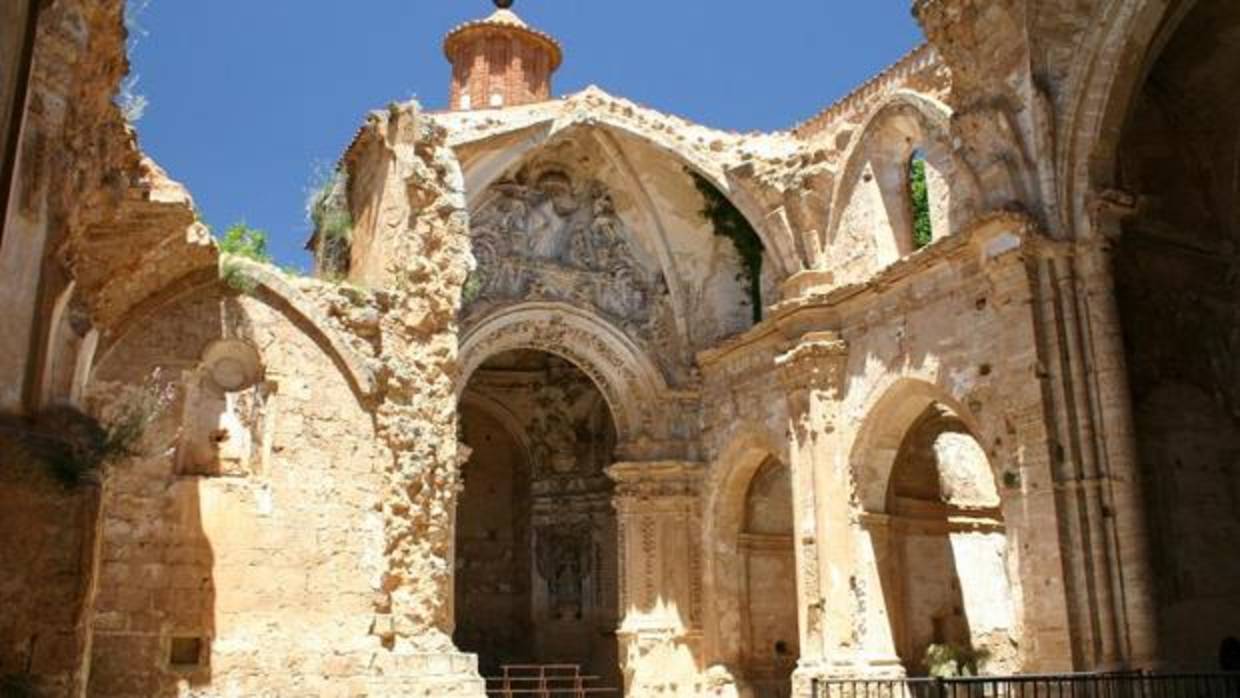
504 20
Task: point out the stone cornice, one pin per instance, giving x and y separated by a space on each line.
816 362
656 481
824 310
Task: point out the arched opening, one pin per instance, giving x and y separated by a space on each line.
768 561
535 531
944 573
900 187
1177 277
919 200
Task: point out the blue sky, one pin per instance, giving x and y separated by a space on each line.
246 97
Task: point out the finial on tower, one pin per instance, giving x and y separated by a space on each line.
503 4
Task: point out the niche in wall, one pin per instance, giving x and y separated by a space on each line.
224 426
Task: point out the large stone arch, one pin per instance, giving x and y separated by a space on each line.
271 288
944 524
525 137
1102 88
911 122
627 378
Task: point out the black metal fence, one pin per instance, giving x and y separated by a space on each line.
1111 685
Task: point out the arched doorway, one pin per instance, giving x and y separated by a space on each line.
535 529
769 607
1177 278
945 573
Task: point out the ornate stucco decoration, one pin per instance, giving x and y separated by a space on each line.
548 237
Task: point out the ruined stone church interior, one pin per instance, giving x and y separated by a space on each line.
583 398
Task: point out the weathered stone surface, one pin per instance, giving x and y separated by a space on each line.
997 439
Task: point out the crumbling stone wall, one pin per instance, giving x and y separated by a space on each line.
77 166
270 560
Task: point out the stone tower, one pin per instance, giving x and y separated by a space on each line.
500 61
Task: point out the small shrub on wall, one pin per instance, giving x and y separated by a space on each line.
75 447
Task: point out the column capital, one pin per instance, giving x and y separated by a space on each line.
656 481
815 362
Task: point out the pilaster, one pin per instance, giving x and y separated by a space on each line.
660 584
829 610
1094 465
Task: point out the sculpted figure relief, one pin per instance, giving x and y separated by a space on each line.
567 431
548 237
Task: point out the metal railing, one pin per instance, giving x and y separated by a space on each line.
1109 685
544 681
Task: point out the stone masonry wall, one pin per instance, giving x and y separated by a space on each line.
962 328
47 538
273 562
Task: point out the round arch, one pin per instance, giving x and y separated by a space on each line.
887 420
729 479
727 635
628 380
270 288
953 530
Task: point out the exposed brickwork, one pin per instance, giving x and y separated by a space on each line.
500 62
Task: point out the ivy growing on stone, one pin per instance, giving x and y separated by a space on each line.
919 198
728 222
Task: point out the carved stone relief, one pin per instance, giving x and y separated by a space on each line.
551 237
565 559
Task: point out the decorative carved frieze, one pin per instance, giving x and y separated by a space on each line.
656 486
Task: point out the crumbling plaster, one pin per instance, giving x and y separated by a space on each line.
1008 318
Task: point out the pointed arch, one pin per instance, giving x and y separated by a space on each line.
1102 87
482 166
903 124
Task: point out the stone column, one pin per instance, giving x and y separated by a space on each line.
660 587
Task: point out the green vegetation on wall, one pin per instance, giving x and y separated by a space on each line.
730 223
327 209
919 194
948 660
241 241
73 446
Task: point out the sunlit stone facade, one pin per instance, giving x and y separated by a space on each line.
535 409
